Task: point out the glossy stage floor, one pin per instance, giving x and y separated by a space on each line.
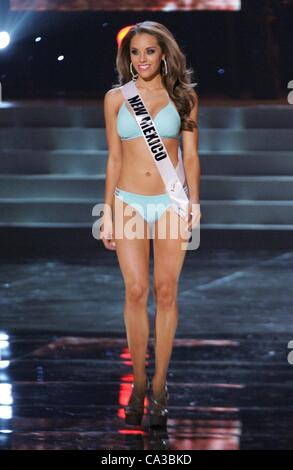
66 370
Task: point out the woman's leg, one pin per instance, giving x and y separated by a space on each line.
168 260
133 257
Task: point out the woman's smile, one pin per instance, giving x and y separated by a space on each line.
144 67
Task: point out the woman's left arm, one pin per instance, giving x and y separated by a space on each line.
190 156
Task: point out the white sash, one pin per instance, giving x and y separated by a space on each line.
174 179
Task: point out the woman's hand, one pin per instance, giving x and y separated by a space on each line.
194 214
107 232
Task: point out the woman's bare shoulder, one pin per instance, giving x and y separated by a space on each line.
113 93
113 97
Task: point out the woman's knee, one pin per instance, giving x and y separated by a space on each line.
137 292
165 293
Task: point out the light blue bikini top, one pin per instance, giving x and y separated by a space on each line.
167 121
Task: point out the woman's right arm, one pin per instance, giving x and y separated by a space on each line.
114 163
114 160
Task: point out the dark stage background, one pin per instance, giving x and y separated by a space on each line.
240 54
69 5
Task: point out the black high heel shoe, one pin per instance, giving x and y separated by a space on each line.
134 410
159 411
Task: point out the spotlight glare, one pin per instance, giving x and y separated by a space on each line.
61 57
38 39
4 39
122 32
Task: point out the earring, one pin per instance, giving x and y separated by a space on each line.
134 77
165 72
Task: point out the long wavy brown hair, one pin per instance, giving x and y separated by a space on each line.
178 79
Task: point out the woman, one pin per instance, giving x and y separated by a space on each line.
149 55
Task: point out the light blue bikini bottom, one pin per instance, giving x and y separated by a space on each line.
150 207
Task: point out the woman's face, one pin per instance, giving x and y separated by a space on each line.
144 50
